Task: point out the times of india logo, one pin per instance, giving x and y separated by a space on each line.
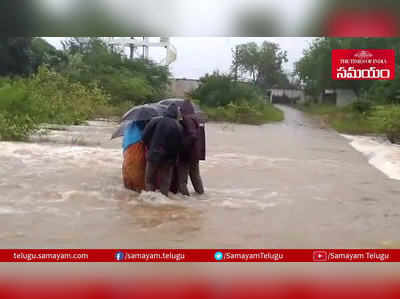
363 54
363 64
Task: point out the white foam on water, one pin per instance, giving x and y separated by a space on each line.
243 160
10 211
50 210
75 194
154 198
12 235
228 192
102 123
271 195
31 153
319 198
382 154
101 209
239 198
240 204
241 156
229 203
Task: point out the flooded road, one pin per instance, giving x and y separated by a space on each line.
294 184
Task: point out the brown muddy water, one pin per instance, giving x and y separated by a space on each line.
289 185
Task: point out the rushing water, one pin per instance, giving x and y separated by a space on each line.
293 184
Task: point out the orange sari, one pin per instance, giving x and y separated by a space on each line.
134 167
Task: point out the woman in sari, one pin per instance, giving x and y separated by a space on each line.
134 164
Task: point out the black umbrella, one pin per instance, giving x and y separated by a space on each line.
121 129
179 103
144 112
149 111
139 113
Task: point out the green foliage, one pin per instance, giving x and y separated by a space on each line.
15 56
263 64
62 101
16 127
44 53
83 81
16 112
5 81
381 119
386 92
134 81
47 97
224 99
314 69
392 124
245 113
362 107
220 90
21 56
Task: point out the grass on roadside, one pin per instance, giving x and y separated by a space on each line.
351 121
245 114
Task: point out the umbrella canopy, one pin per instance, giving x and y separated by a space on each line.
149 111
179 102
139 113
144 112
121 129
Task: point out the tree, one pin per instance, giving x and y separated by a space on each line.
44 53
263 64
21 56
315 67
15 56
127 80
217 90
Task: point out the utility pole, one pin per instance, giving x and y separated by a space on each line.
143 49
270 97
235 63
132 49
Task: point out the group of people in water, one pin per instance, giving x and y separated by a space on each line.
161 153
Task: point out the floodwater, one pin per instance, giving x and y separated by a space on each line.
295 184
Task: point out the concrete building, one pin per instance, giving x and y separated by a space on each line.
345 97
285 95
179 88
338 97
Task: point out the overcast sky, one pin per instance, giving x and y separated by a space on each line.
197 56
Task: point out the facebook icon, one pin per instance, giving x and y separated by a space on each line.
119 256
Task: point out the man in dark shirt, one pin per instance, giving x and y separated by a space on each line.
163 139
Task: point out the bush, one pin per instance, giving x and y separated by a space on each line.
219 90
386 92
362 107
223 99
245 113
62 102
392 124
17 112
5 81
16 127
135 81
46 97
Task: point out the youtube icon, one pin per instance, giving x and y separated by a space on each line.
320 256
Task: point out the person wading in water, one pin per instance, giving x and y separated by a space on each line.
192 151
163 139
